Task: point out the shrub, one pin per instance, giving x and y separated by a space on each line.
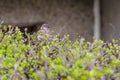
61 59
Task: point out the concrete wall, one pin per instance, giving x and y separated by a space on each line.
110 19
65 16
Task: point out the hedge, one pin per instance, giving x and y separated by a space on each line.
60 59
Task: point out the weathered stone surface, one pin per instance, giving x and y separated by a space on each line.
110 19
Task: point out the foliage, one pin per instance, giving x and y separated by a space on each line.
61 59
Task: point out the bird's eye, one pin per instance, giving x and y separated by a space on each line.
48 27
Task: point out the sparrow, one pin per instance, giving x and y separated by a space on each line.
44 32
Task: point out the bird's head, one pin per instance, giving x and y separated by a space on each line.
45 26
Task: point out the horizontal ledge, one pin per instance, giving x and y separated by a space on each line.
28 24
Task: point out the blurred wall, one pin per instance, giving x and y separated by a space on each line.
65 16
110 19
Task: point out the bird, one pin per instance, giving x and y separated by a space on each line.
45 28
45 33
